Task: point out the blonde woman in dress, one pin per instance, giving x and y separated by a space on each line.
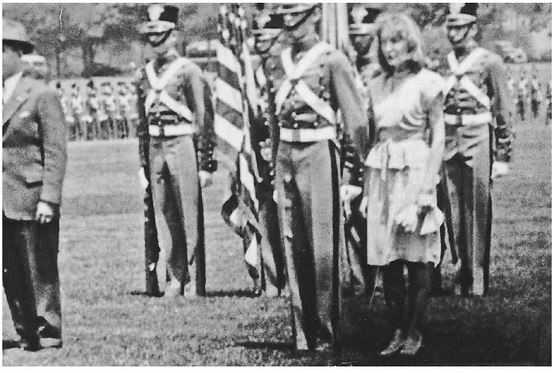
401 175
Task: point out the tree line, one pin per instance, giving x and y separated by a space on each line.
85 29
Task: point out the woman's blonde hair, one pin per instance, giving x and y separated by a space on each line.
406 27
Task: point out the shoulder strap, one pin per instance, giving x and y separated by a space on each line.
159 82
459 69
294 71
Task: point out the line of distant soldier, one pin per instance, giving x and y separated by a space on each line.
107 111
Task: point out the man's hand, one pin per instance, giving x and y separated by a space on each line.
205 178
45 212
142 178
499 169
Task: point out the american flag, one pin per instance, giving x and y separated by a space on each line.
236 96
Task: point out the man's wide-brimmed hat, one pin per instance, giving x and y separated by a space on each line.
14 33
161 18
363 20
461 14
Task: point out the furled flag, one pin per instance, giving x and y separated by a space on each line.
235 90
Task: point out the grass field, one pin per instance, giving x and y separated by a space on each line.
101 268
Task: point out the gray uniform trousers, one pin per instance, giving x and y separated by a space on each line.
30 275
307 184
271 251
178 206
467 178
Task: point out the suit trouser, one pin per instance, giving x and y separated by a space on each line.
30 275
178 206
307 183
468 182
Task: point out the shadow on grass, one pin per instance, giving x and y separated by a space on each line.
242 293
281 346
142 293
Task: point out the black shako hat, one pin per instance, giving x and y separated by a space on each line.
362 19
161 18
461 14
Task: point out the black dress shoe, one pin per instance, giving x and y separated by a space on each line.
49 337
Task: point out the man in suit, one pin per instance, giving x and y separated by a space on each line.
34 161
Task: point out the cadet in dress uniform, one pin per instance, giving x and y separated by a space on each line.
478 143
121 110
535 96
313 81
272 272
522 96
33 169
92 107
362 34
176 150
107 111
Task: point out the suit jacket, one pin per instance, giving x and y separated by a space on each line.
34 149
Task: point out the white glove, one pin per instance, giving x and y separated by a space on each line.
347 194
499 169
205 178
265 150
363 207
142 178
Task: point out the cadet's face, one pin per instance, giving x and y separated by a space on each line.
457 34
362 43
11 61
394 47
304 29
164 47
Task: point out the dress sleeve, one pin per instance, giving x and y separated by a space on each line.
501 104
431 86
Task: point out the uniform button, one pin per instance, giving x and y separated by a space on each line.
287 178
295 125
316 124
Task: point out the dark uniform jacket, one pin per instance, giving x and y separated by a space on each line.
34 149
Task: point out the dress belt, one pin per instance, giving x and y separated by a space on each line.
468 119
180 129
307 134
